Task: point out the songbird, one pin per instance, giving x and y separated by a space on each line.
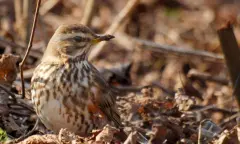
67 90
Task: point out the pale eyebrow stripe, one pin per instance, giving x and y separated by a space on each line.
61 37
80 45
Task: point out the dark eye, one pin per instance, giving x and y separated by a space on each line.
78 39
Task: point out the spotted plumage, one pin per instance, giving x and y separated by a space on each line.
67 90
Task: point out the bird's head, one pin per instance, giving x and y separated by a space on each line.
72 41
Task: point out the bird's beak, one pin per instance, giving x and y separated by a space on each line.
100 38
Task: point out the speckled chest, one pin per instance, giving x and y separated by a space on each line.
60 81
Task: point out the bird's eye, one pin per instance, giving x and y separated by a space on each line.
78 39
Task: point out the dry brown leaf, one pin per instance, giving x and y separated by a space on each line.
64 137
8 68
183 101
106 135
38 139
67 137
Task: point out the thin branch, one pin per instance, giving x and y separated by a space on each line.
200 131
47 6
8 92
88 12
228 119
18 10
193 73
164 89
9 43
19 113
23 103
27 17
156 47
123 90
119 19
213 108
129 43
231 53
29 46
29 133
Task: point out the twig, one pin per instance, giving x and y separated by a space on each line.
129 43
207 77
27 73
47 6
8 43
123 90
19 113
18 11
88 12
231 52
29 46
214 108
27 17
200 131
23 103
156 47
35 53
228 119
29 133
119 19
132 138
164 89
8 92
16 101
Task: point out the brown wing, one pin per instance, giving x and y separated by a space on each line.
104 98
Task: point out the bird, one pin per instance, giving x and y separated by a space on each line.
67 91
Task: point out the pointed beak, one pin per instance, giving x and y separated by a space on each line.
100 38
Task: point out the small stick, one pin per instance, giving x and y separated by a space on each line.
193 73
88 12
213 108
200 131
228 119
18 10
8 92
231 53
27 17
29 46
30 132
129 43
156 47
5 42
119 19
47 6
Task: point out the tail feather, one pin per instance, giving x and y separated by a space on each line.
113 115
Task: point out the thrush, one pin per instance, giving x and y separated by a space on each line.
67 90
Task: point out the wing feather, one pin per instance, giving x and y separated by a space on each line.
104 97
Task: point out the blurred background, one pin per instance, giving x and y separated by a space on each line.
169 44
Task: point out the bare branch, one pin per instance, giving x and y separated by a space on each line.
232 53
167 48
27 17
47 6
129 43
88 12
29 46
193 73
119 19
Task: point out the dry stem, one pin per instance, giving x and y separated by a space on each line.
29 46
88 12
27 17
47 6
232 53
119 19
